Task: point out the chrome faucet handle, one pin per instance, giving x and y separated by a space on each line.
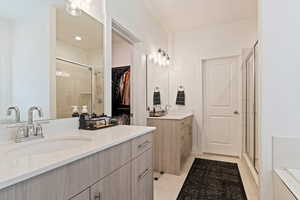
31 130
21 134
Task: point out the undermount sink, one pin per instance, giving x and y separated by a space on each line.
47 146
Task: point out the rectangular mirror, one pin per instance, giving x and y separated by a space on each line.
157 81
49 58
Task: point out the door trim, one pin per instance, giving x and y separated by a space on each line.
112 24
202 137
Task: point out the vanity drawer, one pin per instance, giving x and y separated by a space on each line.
142 177
141 144
96 167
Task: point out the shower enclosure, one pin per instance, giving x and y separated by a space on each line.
73 87
251 147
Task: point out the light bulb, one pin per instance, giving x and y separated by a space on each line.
154 58
164 62
73 7
78 38
168 62
159 58
151 57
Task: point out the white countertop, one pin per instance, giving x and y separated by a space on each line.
18 166
173 116
291 178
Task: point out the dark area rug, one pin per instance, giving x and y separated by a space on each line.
213 180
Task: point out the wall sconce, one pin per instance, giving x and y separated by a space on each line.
161 58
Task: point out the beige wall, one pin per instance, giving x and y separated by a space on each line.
190 47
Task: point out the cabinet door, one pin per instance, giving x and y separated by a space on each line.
116 186
82 196
142 177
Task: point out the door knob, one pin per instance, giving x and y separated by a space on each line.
236 112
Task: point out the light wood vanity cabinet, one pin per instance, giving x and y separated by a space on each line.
172 143
142 177
112 174
116 186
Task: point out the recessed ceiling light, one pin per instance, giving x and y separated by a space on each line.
78 38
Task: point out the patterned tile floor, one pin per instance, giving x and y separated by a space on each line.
168 186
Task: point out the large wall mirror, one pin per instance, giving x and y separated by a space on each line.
51 57
157 81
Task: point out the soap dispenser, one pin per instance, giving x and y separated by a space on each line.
75 111
84 116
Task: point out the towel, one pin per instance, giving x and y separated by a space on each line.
156 98
180 100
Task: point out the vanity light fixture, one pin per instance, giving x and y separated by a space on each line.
73 7
161 58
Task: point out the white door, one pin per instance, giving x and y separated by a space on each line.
221 84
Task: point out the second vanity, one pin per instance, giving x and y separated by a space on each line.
172 143
109 164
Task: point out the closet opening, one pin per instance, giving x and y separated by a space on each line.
122 55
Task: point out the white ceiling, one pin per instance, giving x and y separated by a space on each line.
181 15
89 29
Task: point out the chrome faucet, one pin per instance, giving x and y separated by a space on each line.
31 130
30 114
17 113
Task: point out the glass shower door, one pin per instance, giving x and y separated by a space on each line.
73 88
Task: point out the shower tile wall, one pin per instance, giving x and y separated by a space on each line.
74 87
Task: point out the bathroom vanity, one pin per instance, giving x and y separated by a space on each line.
109 164
172 141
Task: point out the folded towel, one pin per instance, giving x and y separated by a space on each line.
156 98
180 100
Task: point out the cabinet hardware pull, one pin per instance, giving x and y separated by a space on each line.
142 175
98 196
144 144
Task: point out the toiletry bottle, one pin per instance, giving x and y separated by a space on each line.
75 111
84 116
94 115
